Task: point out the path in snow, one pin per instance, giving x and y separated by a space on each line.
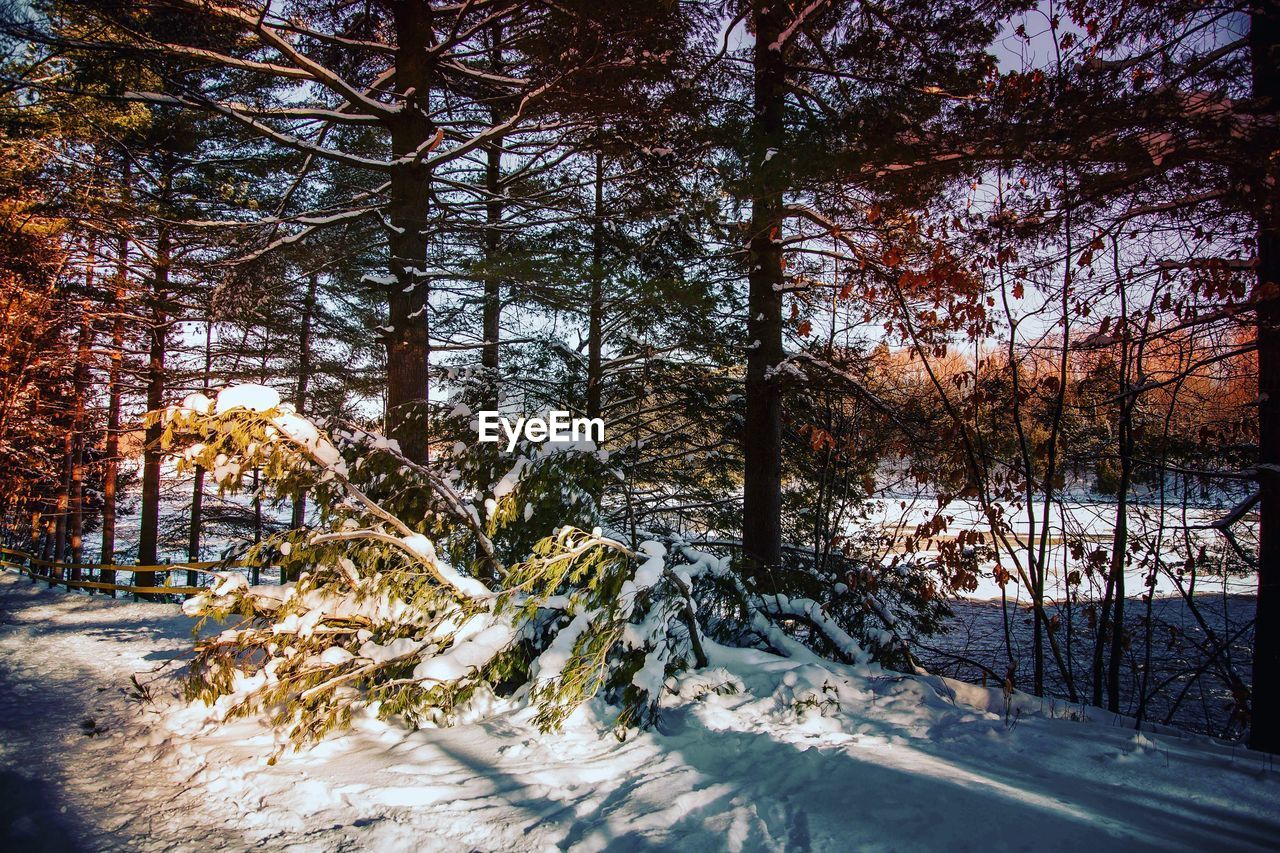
878 763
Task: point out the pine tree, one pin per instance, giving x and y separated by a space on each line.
396 103
828 110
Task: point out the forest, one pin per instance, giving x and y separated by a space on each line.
937 337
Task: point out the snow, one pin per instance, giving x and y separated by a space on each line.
468 586
650 571
305 433
229 582
394 650
478 641
255 398
811 610
224 468
785 36
551 663
507 482
198 403
650 677
335 656
754 752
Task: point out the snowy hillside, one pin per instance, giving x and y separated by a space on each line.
755 752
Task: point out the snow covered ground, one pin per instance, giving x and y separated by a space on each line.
756 753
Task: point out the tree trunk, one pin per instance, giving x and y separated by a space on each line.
407 343
1264 733
762 436
46 546
491 322
299 517
256 571
1119 553
111 450
490 356
64 501
1109 639
80 384
33 542
257 507
197 512
197 485
595 345
149 535
1129 367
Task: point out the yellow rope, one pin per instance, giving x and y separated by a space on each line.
32 561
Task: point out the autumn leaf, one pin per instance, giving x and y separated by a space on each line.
820 438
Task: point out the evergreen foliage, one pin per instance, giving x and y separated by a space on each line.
422 593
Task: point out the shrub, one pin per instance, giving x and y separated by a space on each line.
425 593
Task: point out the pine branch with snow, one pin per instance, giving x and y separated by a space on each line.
429 593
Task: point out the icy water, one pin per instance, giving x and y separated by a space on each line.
1188 684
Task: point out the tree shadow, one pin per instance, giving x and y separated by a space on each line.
767 793
31 818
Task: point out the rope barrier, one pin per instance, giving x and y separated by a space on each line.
29 562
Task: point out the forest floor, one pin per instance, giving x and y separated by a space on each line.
755 753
